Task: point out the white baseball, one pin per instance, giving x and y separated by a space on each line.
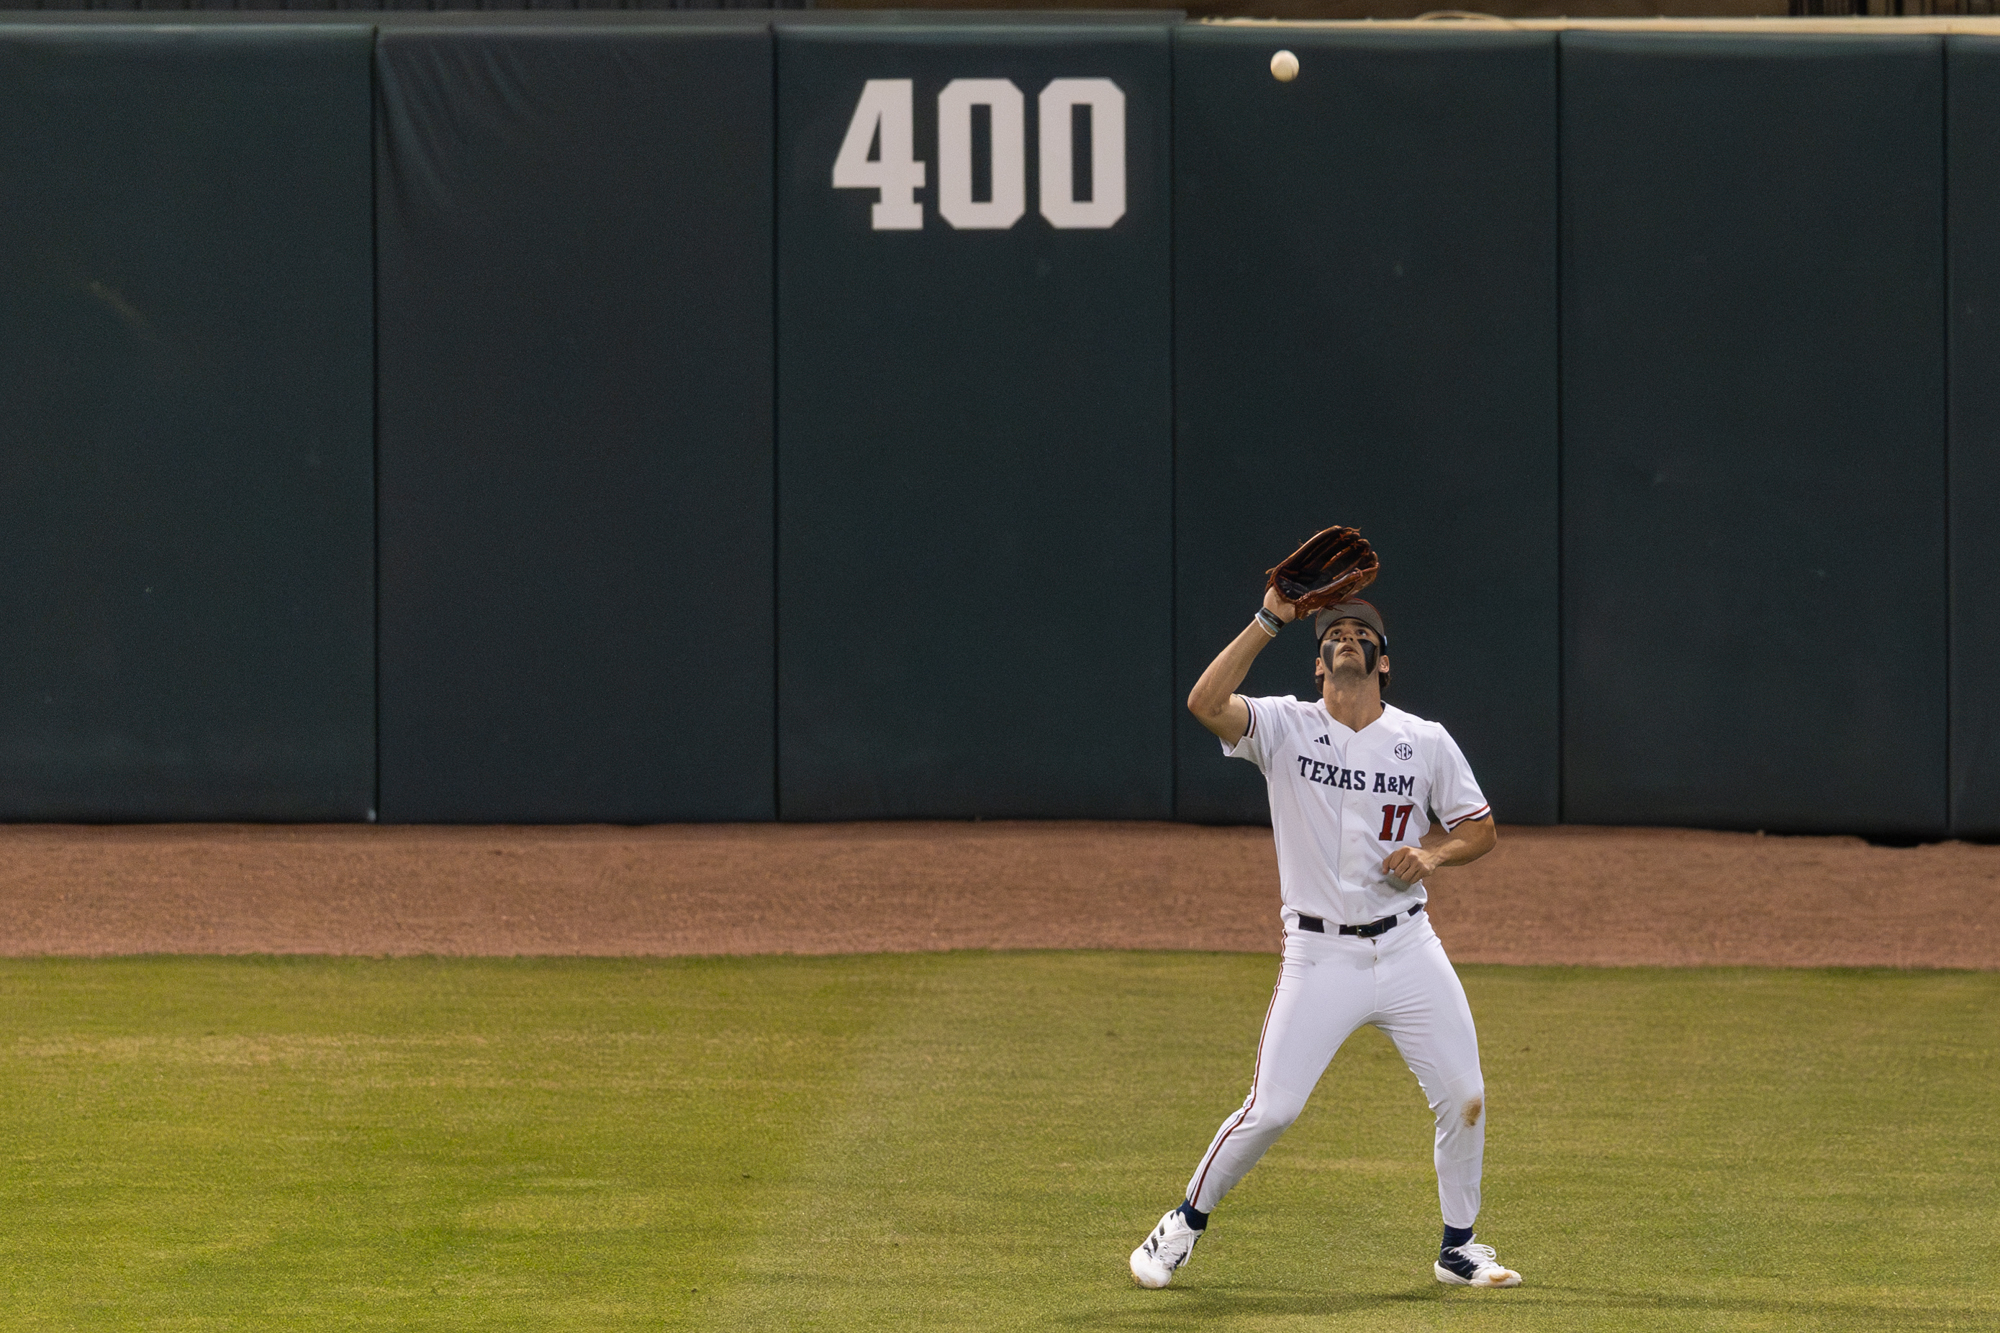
1284 67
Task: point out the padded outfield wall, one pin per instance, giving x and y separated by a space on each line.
644 418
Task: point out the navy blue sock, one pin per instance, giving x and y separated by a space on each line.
1456 1236
1199 1221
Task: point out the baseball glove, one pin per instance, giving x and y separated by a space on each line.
1331 567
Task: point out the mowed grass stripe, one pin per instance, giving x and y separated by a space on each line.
199 1143
1670 1149
966 1141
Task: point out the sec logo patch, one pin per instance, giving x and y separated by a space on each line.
1404 752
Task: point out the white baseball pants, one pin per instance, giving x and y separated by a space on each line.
1328 986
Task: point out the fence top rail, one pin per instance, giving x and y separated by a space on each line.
1464 20
1443 21
609 18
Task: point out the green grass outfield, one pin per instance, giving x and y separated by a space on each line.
968 1141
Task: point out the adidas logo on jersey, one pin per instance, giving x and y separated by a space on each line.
1322 741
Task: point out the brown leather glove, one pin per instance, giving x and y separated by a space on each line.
1331 567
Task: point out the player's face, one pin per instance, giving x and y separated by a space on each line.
1346 637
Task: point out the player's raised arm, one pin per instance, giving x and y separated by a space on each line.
1214 700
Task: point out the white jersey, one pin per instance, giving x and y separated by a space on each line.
1342 800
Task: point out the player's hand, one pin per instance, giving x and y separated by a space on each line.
1411 864
1279 607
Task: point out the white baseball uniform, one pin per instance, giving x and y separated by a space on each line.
1341 802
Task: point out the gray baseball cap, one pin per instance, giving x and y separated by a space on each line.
1357 609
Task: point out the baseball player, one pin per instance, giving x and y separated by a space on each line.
1354 785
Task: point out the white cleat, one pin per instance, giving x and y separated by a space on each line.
1469 1265
1154 1262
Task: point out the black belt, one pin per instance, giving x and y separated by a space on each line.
1367 932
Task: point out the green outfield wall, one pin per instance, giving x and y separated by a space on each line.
187 545
655 416
574 435
1753 376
